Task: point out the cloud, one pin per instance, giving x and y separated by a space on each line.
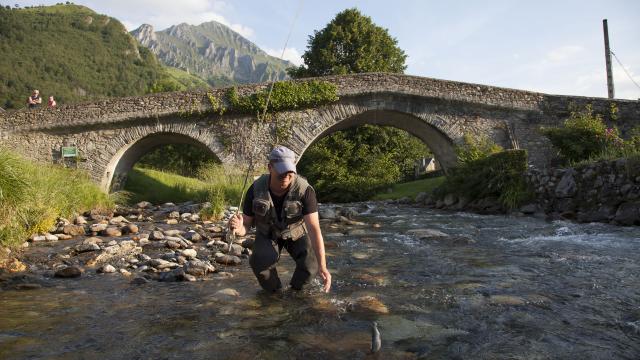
290 54
564 53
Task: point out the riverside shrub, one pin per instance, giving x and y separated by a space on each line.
499 175
33 196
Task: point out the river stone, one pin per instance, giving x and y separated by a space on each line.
69 272
228 292
529 209
172 232
37 238
81 248
96 228
248 243
427 233
107 269
368 304
194 218
49 237
223 259
235 250
628 214
118 220
156 235
327 213
450 200
111 231
189 253
73 230
80 220
144 205
159 263
64 237
139 281
193 236
173 215
130 229
216 229
172 275
198 267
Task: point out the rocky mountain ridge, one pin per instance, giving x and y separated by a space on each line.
213 52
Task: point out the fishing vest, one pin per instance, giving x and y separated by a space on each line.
291 227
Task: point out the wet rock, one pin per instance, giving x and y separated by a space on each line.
172 221
118 220
193 236
144 205
161 264
327 213
139 281
130 229
248 243
450 200
64 237
529 209
49 237
628 214
348 212
234 250
97 228
124 272
228 292
223 259
80 220
601 214
368 304
223 275
156 235
189 253
173 215
189 277
107 269
173 232
172 275
112 232
198 267
13 265
73 230
69 272
82 248
194 218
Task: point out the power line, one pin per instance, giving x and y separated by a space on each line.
624 69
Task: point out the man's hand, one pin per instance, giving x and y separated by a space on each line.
326 278
236 224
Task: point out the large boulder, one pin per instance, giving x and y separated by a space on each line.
628 214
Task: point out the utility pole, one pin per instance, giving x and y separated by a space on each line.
607 56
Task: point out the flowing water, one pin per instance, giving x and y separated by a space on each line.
496 288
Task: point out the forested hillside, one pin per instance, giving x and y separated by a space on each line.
75 54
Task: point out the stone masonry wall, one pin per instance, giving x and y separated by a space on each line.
605 191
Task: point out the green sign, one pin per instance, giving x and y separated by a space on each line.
69 151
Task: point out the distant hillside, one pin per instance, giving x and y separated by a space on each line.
213 52
75 54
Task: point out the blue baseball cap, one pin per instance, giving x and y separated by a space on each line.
283 160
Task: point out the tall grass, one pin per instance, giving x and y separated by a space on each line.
33 196
220 185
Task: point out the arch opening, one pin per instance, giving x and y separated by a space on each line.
123 162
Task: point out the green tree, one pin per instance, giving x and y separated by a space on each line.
353 164
350 43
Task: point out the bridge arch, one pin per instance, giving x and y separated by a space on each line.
439 143
127 156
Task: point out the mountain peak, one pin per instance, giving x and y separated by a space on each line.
144 34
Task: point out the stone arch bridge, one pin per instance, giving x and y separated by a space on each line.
111 135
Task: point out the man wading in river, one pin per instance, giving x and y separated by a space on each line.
283 208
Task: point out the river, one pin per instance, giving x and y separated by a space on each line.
486 287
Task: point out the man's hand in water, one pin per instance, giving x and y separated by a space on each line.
326 279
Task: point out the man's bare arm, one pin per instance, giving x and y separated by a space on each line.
315 235
240 224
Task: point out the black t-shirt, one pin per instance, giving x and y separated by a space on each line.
309 202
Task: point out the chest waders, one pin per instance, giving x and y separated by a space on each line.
273 234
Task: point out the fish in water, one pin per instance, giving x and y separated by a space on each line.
376 342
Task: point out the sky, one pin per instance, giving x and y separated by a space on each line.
554 47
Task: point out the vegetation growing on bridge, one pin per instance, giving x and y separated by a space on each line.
286 95
585 137
33 196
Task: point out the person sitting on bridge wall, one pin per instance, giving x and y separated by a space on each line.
34 100
284 209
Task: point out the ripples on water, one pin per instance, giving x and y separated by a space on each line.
498 287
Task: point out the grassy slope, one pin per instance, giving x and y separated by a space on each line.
411 189
75 54
160 187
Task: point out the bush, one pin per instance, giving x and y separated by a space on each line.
476 148
33 196
498 175
584 136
